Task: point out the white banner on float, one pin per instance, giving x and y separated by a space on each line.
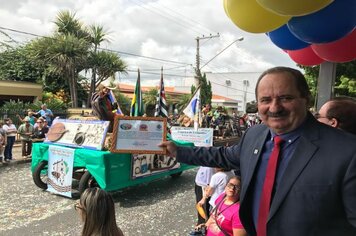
203 137
60 170
88 134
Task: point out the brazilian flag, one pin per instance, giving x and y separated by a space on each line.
137 103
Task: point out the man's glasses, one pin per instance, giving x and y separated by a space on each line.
318 116
78 206
233 186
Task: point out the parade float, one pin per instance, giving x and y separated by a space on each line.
79 154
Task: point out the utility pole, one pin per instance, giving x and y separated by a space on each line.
197 69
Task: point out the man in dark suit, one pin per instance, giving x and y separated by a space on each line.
339 112
314 189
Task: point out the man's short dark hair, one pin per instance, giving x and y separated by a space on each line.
343 109
296 75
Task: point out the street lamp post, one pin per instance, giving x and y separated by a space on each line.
239 39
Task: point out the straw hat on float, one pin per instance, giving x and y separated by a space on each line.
108 84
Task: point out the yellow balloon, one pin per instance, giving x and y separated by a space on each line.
294 7
248 15
225 7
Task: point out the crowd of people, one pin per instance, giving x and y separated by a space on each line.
34 127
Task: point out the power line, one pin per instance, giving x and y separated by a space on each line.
187 19
231 88
146 57
158 13
116 51
152 73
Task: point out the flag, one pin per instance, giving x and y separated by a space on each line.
136 103
161 105
114 101
193 108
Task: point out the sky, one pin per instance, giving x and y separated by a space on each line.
152 34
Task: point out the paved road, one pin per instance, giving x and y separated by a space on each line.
163 207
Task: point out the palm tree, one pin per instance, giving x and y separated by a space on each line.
64 54
107 65
183 102
67 23
97 36
150 97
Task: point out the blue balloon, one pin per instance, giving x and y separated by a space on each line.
326 25
284 39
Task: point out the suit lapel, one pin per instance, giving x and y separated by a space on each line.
252 161
302 155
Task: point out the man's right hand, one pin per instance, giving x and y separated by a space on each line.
171 148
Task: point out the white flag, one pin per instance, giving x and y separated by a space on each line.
193 108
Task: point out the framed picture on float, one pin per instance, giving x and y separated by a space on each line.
139 135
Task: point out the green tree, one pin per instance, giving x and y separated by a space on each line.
346 87
107 64
17 64
206 93
343 70
150 99
97 35
66 55
183 102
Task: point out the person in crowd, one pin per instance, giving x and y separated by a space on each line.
216 186
340 113
207 115
224 219
185 121
2 141
11 132
30 115
202 180
46 114
312 190
40 131
97 210
26 131
103 104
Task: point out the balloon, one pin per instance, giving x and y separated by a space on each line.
251 17
225 8
294 7
305 57
342 50
329 24
284 39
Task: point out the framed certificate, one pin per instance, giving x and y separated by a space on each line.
139 134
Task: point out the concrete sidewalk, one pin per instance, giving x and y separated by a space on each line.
17 156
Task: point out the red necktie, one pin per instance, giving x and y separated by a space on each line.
268 187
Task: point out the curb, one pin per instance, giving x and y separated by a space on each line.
15 162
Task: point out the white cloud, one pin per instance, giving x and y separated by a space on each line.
164 29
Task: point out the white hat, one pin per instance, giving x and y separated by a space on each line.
107 84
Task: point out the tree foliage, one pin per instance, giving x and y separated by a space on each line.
206 93
57 60
16 63
344 80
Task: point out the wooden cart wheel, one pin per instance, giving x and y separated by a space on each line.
40 175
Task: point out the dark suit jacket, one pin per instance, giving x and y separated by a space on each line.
317 194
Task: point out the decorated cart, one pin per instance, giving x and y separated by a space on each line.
71 159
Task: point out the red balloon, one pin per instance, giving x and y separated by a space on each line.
342 50
305 57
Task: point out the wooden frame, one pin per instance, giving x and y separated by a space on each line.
139 135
